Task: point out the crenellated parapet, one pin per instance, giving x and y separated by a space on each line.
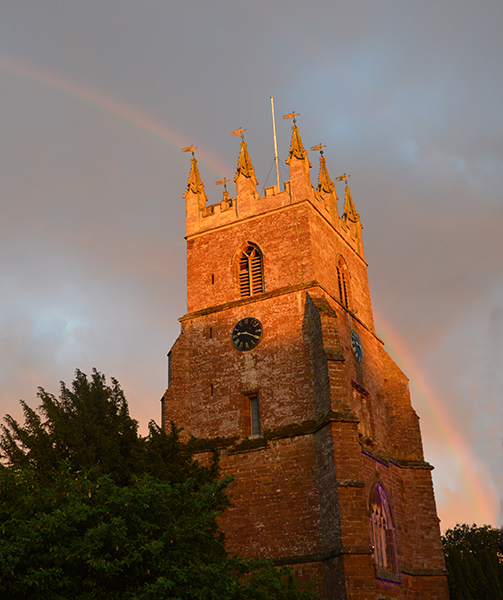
203 216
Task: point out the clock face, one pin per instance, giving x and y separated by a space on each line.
247 333
356 347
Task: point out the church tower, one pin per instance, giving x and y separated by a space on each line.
278 365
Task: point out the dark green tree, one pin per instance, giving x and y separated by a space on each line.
88 427
90 510
474 563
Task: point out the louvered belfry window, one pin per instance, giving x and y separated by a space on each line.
251 272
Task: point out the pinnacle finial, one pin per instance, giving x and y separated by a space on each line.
195 183
325 184
245 166
297 149
349 207
224 183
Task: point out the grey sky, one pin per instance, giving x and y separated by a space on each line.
407 96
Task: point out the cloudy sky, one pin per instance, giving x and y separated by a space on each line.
98 97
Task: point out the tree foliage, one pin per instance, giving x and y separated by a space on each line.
474 563
90 510
87 426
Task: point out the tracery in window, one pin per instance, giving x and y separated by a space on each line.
383 532
251 271
343 281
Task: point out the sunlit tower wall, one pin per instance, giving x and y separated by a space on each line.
279 367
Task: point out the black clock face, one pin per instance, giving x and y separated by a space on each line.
356 346
247 333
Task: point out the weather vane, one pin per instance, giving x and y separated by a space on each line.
293 116
319 147
240 132
190 149
342 178
222 182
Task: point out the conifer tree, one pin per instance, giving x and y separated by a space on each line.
91 510
474 563
88 426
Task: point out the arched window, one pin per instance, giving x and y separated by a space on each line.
383 532
251 271
343 281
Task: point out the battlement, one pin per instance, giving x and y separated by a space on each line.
202 216
234 209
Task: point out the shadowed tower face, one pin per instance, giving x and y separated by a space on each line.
278 365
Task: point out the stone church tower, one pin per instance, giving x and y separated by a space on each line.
278 365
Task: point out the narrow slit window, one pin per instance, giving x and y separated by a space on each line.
213 279
254 416
211 389
211 333
251 272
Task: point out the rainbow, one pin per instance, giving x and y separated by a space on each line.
119 110
465 460
482 502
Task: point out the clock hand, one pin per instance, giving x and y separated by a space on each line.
247 333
